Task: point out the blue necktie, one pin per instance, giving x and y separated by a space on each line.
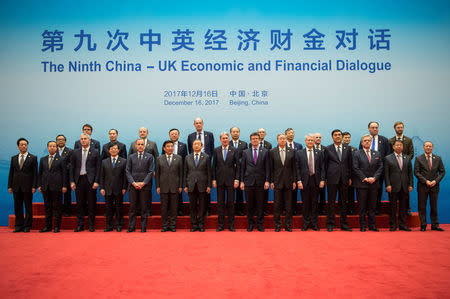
224 154
196 159
373 143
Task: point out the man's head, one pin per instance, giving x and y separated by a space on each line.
174 134
398 147
336 134
346 137
85 140
224 139
87 129
198 124
261 133
114 150
282 140
143 133
113 133
140 145
168 147
428 147
235 133
399 127
51 147
197 146
317 138
310 140
366 141
373 128
290 134
61 140
22 145
254 139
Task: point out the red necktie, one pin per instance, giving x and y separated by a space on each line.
368 156
429 162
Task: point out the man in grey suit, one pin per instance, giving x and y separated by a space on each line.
398 177
151 148
197 184
429 171
113 186
139 173
168 182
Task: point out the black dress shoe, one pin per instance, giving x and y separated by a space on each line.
266 214
231 229
46 229
288 229
377 213
26 230
180 213
260 228
363 229
119 229
346 228
283 213
108 230
173 229
163 230
143 230
315 228
305 228
392 229
219 229
423 228
277 229
79 229
404 228
91 229
437 228
329 229
56 230
239 213
408 213
250 228
130 230
201 229
374 229
18 230
194 229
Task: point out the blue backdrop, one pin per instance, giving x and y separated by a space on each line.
313 67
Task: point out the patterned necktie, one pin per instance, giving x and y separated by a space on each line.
311 164
339 152
429 161
282 156
196 159
169 160
235 144
255 155
51 162
399 162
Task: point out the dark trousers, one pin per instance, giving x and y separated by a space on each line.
265 200
351 200
310 211
322 200
149 201
85 196
402 198
21 198
239 206
67 205
255 205
380 192
198 203
332 193
229 205
53 206
294 200
114 206
367 200
138 201
169 209
180 204
423 193
280 196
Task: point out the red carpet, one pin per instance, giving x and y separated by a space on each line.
225 265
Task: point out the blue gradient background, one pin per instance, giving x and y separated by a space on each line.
41 105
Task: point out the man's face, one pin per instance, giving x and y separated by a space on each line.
225 140
235 133
346 139
428 148
114 150
254 140
143 133
399 129
373 129
61 141
174 135
398 147
262 134
23 146
337 137
84 140
198 124
318 139
51 147
168 148
309 141
366 142
290 135
87 130
282 140
113 136
140 144
197 146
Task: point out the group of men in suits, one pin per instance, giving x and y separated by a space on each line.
233 168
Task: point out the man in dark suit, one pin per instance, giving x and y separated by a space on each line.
151 148
225 176
197 184
22 183
346 139
398 176
179 148
255 177
84 177
310 179
282 180
113 133
206 137
52 183
381 145
113 186
322 191
139 173
65 153
408 147
429 171
267 145
240 145
368 169
169 183
87 129
338 165
290 135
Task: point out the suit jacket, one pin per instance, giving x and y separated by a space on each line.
408 148
384 147
208 147
122 150
182 150
225 172
200 174
303 168
55 178
66 156
242 145
338 171
26 178
282 176
266 144
140 171
150 148
297 146
363 169
94 144
396 178
93 163
169 178
321 147
113 180
423 172
255 175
